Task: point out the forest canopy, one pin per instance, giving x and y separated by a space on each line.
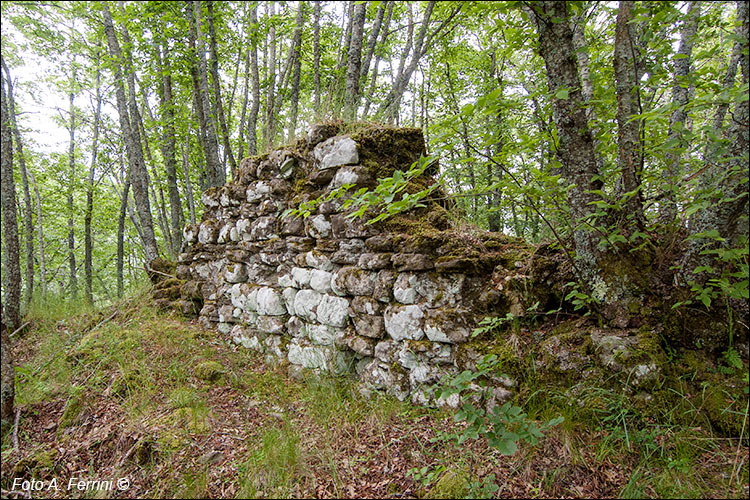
617 132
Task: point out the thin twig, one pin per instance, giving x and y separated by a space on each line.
20 328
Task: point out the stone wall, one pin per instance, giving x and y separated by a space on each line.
396 301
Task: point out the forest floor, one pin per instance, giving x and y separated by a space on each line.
131 393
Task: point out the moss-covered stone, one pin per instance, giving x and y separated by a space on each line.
74 409
39 464
454 483
210 371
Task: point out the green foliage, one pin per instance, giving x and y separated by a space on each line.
386 200
503 426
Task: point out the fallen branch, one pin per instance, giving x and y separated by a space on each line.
20 328
15 428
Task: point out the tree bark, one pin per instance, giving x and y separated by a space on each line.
271 67
392 102
629 152
680 99
12 273
354 58
28 211
40 233
215 174
8 381
576 146
371 42
730 180
71 208
90 193
316 58
296 70
218 106
121 237
252 121
376 68
168 147
136 165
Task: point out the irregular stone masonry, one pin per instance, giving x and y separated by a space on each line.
396 301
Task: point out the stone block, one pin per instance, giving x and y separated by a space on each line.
404 322
335 152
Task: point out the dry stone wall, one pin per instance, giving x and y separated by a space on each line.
396 302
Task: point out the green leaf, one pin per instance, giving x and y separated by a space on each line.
562 94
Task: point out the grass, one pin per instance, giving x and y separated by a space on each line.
116 392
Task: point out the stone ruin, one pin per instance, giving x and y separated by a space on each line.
396 301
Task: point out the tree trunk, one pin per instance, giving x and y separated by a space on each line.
71 208
576 146
28 212
252 121
354 63
316 58
629 152
136 165
168 147
218 106
246 89
297 69
725 214
188 184
121 237
376 68
40 233
271 67
7 384
12 273
371 42
215 175
680 99
90 194
392 102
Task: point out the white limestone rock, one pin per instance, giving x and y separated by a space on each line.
270 303
404 322
335 152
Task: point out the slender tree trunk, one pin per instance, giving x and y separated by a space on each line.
296 69
576 146
71 207
28 212
392 102
271 66
372 40
465 140
629 159
316 58
218 106
215 174
121 237
351 97
136 165
376 68
7 385
188 184
246 89
168 147
680 99
725 214
40 233
90 193
12 271
252 121
336 87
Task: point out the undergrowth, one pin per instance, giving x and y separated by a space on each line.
117 393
